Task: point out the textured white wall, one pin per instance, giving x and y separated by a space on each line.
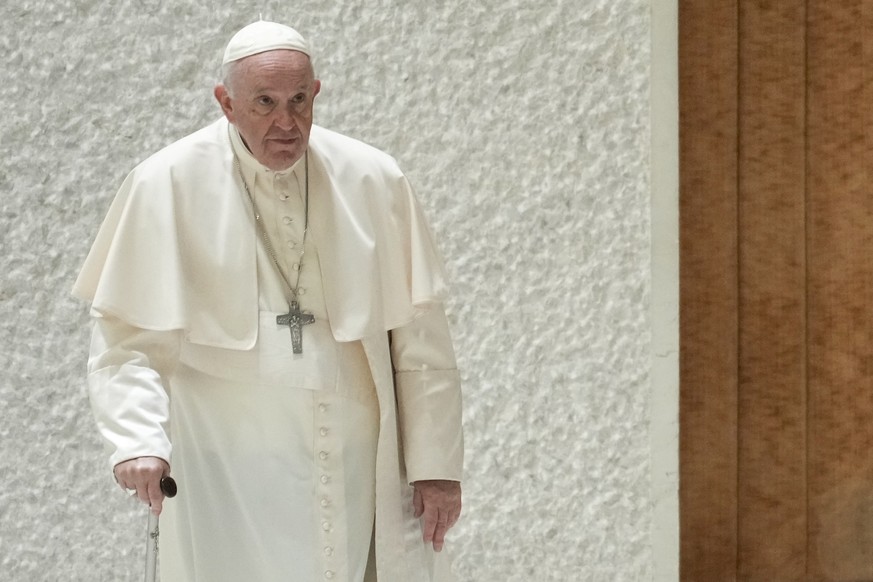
525 127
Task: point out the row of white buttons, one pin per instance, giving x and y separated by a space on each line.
323 455
292 244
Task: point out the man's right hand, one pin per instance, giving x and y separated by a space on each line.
143 475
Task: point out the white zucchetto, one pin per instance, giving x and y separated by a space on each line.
263 36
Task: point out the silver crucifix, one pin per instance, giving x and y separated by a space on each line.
295 320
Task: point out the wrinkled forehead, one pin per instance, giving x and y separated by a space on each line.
282 71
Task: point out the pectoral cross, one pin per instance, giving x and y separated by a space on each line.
295 320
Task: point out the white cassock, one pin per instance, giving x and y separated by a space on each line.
287 463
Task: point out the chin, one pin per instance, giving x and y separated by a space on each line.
278 164
284 157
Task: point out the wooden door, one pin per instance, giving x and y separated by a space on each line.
776 228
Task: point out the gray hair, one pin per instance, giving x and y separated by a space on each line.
225 73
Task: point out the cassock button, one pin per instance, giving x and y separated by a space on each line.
325 525
323 432
295 266
291 244
322 407
325 479
328 551
328 574
287 219
322 455
325 502
301 291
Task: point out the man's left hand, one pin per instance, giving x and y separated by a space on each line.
440 504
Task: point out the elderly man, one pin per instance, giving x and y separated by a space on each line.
267 306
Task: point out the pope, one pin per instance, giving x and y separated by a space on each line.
268 318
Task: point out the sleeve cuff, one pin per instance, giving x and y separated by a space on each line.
429 406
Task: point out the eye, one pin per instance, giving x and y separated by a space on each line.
299 98
264 100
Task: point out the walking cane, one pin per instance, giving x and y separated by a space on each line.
168 487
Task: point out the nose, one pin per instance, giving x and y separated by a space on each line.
286 118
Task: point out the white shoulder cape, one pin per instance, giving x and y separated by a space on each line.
177 249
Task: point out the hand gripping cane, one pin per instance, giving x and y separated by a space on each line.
168 487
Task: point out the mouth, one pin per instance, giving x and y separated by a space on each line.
284 141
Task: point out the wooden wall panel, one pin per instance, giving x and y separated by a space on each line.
840 240
776 228
772 306
708 279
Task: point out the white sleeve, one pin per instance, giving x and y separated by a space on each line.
127 371
428 390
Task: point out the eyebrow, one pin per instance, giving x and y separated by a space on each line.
270 89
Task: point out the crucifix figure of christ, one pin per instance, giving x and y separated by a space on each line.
295 320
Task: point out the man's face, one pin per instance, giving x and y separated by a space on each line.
269 98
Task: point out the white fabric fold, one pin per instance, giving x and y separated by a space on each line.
177 248
127 372
427 385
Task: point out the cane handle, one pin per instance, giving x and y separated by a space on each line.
168 486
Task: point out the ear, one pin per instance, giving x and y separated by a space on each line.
317 88
224 101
